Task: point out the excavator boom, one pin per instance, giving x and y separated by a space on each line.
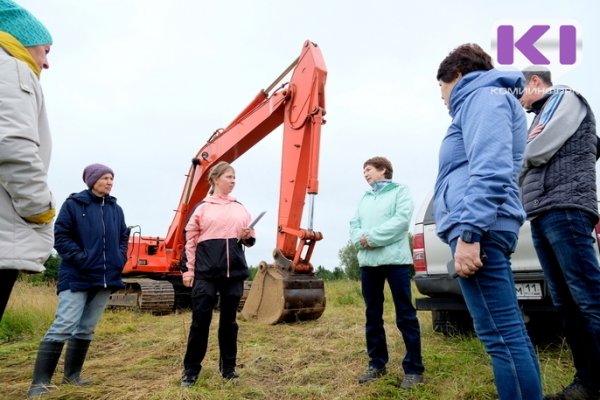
288 289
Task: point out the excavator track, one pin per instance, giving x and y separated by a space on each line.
247 286
146 295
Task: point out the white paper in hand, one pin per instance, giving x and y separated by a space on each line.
251 226
256 219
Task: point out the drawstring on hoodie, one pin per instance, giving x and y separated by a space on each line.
227 251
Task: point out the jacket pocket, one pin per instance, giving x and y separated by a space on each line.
28 245
440 206
237 258
80 260
506 241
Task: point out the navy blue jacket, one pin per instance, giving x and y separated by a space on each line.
91 237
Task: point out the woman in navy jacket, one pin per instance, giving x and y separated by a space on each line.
91 239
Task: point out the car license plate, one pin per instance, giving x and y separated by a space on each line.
529 290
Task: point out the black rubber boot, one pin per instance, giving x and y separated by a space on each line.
45 364
75 356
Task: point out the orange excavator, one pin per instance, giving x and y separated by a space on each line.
287 289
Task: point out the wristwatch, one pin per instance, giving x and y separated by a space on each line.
470 237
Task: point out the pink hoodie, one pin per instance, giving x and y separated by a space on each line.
215 218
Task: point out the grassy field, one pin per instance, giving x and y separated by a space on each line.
139 356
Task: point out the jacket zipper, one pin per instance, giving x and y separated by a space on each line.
227 251
103 239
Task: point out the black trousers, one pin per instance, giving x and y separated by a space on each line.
8 277
204 297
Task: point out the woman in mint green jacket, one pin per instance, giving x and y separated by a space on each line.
379 230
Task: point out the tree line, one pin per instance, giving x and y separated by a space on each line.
348 268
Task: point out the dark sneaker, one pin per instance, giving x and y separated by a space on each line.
371 374
188 380
411 380
575 391
230 375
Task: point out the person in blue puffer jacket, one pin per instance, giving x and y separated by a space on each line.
478 212
91 239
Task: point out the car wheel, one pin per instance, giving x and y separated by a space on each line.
452 323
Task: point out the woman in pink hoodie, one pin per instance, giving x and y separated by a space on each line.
216 235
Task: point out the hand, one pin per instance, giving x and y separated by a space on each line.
534 132
466 258
364 242
188 281
246 233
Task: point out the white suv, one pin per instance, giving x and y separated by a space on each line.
433 277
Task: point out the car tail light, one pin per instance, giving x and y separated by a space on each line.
419 259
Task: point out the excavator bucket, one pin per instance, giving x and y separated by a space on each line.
278 294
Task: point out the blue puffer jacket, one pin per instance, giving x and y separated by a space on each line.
481 157
91 238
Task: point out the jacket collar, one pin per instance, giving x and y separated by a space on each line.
88 197
386 188
537 106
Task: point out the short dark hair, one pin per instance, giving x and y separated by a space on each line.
465 58
381 163
544 74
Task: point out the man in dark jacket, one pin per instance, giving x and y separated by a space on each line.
558 185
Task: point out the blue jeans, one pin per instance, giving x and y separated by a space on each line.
565 246
491 298
372 282
77 315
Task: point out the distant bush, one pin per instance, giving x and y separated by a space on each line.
50 275
322 272
252 272
349 260
328 275
51 265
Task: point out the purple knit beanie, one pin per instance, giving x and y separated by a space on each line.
93 172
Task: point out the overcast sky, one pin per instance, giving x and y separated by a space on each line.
141 85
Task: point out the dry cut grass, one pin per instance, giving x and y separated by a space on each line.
139 356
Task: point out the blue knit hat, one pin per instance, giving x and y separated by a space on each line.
19 22
93 172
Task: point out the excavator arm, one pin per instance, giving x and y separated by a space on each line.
298 105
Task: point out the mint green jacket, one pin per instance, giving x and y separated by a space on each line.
383 218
